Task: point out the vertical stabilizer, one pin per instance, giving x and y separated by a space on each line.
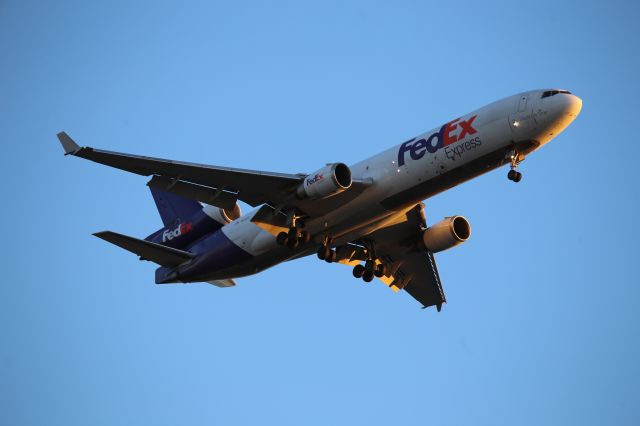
174 208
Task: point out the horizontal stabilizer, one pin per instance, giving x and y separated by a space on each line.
162 255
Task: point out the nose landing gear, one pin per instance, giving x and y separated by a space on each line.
514 175
516 158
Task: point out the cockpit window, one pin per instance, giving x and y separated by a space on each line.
548 93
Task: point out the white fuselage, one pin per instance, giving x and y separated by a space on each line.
417 169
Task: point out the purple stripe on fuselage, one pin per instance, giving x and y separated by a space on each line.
214 253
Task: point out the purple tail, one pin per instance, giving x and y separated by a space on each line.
173 208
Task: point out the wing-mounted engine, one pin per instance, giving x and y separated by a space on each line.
447 233
329 180
221 215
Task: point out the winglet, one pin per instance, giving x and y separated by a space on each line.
69 145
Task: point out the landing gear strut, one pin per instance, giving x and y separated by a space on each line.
325 252
516 158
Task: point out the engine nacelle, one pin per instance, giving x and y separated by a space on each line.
447 233
329 180
223 216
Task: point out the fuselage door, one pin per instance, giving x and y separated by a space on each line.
522 105
521 121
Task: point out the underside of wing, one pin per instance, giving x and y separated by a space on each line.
407 265
251 186
418 275
215 185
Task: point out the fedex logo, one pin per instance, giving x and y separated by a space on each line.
183 228
316 178
446 136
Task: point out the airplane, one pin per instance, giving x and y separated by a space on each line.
369 216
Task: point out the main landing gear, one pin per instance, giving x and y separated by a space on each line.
370 269
295 236
326 253
516 158
373 267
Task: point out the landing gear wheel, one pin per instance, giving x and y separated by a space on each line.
379 270
281 239
323 252
292 243
367 276
358 271
331 256
516 158
368 265
305 237
292 238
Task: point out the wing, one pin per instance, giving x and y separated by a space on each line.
251 186
418 275
409 266
219 186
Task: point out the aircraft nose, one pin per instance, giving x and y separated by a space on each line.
558 111
561 109
565 107
572 105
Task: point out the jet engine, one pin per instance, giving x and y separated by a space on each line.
447 233
329 180
221 215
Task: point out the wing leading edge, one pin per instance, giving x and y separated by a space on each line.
215 185
251 186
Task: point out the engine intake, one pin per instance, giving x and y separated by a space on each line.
447 233
329 180
223 216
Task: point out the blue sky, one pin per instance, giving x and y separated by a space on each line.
542 322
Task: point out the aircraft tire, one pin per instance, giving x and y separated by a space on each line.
379 270
367 276
305 237
518 177
281 239
323 252
512 175
331 257
292 239
358 271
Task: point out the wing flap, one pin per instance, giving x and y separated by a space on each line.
213 196
157 253
422 279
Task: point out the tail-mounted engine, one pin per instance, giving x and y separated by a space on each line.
223 216
329 180
447 233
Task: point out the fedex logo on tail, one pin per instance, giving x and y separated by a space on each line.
451 132
169 234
